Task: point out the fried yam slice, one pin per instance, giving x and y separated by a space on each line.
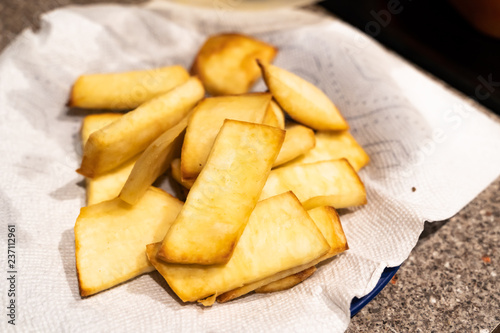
334 145
94 122
328 222
108 185
274 116
298 140
206 121
226 63
126 90
110 238
303 101
121 140
279 226
152 163
207 229
329 183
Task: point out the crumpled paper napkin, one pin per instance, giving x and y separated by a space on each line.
431 153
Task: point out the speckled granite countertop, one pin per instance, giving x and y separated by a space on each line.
450 282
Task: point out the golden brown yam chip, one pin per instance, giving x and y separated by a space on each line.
206 121
303 101
279 236
328 183
328 222
221 200
110 238
152 163
121 140
128 90
226 63
274 116
334 145
298 140
288 282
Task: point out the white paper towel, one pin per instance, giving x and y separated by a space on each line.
417 133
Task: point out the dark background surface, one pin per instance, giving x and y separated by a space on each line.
450 281
431 34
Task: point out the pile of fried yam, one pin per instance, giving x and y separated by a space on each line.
262 175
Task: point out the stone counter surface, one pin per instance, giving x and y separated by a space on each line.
450 282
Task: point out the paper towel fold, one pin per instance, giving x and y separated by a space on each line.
431 153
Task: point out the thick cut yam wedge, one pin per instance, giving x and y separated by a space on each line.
298 140
303 101
274 116
279 236
128 90
152 163
175 168
206 121
332 146
223 196
110 238
226 63
121 140
288 282
328 183
328 222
